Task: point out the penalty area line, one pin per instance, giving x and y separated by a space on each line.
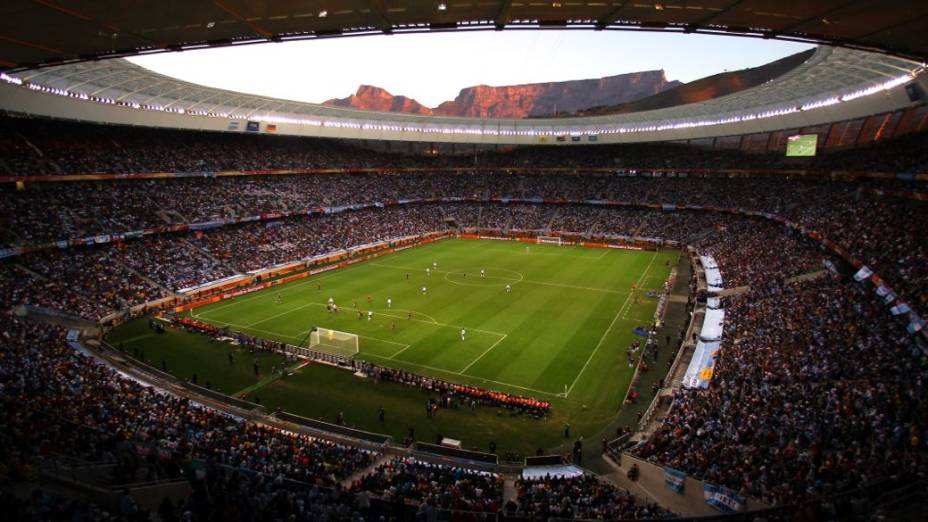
488 350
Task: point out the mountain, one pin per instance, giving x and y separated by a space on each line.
373 98
705 88
520 101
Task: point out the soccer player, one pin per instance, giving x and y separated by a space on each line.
435 265
331 300
370 315
508 289
482 273
428 271
407 276
278 299
463 333
389 303
424 290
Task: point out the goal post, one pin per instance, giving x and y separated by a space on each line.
548 240
333 341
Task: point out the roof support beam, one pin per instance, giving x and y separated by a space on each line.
817 16
380 10
707 20
610 17
255 27
502 15
81 16
903 23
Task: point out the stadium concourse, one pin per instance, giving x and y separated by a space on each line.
819 389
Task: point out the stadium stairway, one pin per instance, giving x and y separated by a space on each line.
358 475
810 276
206 253
510 492
38 151
145 278
554 216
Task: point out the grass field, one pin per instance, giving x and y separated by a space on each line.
560 335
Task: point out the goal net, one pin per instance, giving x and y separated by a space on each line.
548 240
334 342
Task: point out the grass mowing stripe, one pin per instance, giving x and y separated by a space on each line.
509 279
275 316
614 319
281 290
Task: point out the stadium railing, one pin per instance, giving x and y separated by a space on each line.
476 457
327 427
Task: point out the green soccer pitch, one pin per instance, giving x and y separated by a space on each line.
560 335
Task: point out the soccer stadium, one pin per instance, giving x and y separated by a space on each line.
592 286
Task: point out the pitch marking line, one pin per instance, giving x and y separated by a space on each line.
282 289
431 321
275 316
609 329
640 280
446 325
301 335
442 370
513 281
508 279
481 355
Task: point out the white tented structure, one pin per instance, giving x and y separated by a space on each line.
332 341
548 240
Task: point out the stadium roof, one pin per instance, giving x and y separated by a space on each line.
829 73
42 32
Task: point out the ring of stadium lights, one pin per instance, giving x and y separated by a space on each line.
438 129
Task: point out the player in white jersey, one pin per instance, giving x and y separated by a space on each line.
424 290
370 315
508 289
428 271
463 333
482 273
435 265
389 303
331 300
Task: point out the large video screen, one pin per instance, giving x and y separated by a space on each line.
801 145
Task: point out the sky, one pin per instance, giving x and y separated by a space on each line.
432 68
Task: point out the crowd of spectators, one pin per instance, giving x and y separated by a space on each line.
817 390
35 146
445 487
585 497
57 401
